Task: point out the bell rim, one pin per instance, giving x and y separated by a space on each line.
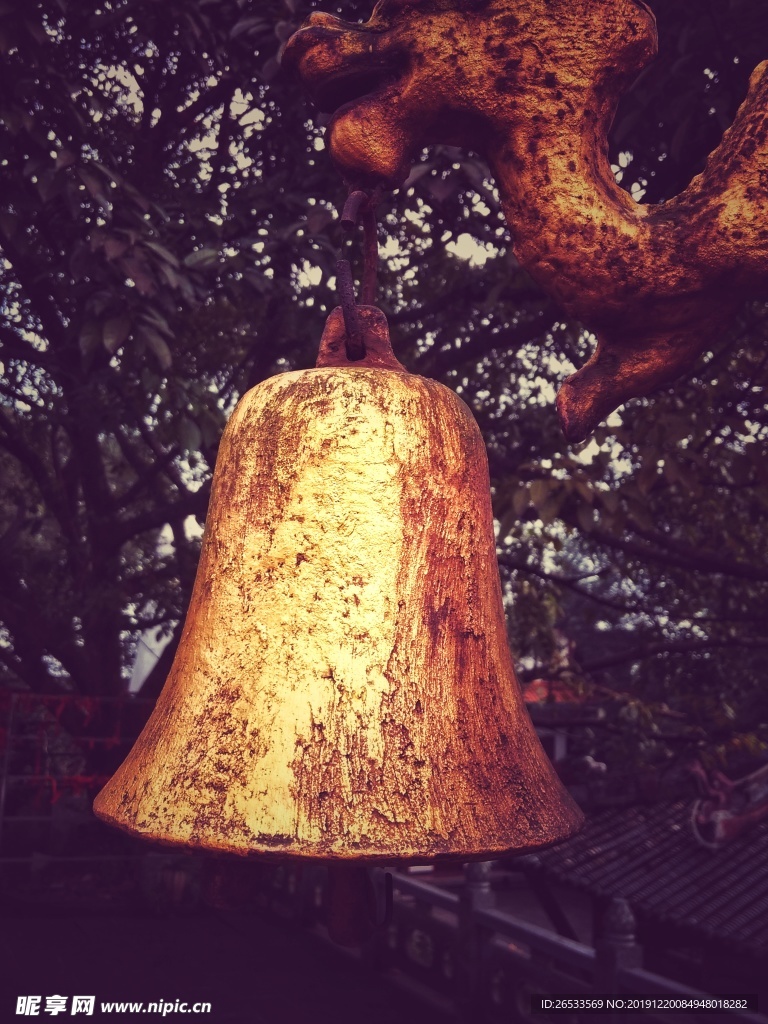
573 823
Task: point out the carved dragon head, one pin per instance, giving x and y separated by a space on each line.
421 71
533 85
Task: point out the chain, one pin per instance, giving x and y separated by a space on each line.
360 207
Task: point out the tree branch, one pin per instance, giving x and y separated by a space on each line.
17 347
192 504
39 294
571 584
653 648
33 465
672 553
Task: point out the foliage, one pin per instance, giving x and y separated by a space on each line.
145 222
168 238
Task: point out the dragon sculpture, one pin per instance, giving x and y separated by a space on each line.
533 85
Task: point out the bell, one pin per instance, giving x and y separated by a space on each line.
343 689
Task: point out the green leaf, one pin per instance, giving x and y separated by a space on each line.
585 491
610 501
641 513
585 516
90 337
115 331
201 259
521 499
158 321
92 184
115 247
248 26
136 270
646 478
161 251
550 509
539 491
8 223
189 434
65 158
169 275
284 30
159 347
108 172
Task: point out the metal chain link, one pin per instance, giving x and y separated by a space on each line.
360 207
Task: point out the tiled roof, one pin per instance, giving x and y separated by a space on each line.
649 855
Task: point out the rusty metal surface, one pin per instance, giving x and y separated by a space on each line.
343 688
354 344
374 334
534 85
360 207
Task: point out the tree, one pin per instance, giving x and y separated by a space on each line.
129 137
168 239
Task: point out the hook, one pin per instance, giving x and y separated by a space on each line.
359 207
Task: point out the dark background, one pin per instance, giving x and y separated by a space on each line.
168 237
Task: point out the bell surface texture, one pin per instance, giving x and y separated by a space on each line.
343 688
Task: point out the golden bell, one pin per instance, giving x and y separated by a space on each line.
343 688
